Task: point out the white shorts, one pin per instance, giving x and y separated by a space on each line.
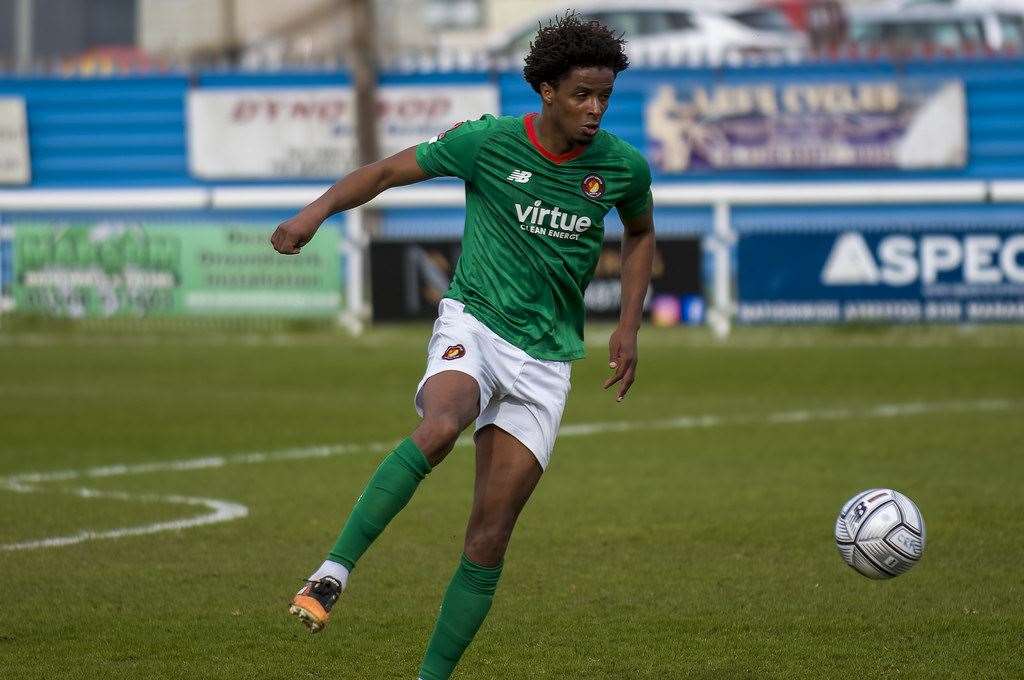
521 395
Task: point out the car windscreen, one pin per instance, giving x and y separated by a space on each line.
944 33
1012 26
639 22
763 19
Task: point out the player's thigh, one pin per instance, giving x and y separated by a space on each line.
451 395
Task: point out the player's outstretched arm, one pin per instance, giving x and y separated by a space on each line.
637 259
353 190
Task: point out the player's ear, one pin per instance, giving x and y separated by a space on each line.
547 92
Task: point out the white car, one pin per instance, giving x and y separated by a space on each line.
945 26
664 32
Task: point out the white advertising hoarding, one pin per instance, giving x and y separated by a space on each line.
310 132
910 123
14 158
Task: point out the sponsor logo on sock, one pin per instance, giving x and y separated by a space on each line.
454 352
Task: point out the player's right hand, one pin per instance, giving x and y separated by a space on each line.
622 360
291 235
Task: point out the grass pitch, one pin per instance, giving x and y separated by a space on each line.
685 533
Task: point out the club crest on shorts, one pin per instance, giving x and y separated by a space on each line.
593 186
454 352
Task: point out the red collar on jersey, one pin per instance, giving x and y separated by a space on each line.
531 132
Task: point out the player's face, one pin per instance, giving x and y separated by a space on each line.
579 102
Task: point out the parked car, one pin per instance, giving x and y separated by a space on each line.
822 21
664 29
1003 19
934 26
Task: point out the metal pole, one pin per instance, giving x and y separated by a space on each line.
354 247
363 60
23 36
232 46
6 233
363 222
720 316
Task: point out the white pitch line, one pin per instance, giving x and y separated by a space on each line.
24 482
220 511
226 511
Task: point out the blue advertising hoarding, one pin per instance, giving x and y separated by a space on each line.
913 275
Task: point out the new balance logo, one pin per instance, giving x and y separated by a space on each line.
520 176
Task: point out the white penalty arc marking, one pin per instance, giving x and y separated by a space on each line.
225 511
220 511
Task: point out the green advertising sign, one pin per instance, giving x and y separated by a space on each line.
138 269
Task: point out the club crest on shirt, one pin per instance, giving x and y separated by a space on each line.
593 186
441 135
454 352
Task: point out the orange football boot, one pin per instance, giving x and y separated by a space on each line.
313 603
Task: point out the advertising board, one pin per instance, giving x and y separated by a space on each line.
409 278
905 124
310 132
101 269
918 275
14 155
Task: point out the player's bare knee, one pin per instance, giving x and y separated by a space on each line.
486 545
436 436
445 428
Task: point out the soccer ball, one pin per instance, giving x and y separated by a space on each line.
880 533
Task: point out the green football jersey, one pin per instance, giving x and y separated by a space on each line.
534 225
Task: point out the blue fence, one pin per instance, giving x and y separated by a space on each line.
995 102
6 264
105 132
876 217
131 131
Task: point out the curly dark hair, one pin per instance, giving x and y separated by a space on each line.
570 41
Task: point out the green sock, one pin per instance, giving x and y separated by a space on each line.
387 492
464 608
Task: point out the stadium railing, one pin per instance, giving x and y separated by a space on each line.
718 243
992 175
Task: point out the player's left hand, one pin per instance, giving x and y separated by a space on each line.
622 360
